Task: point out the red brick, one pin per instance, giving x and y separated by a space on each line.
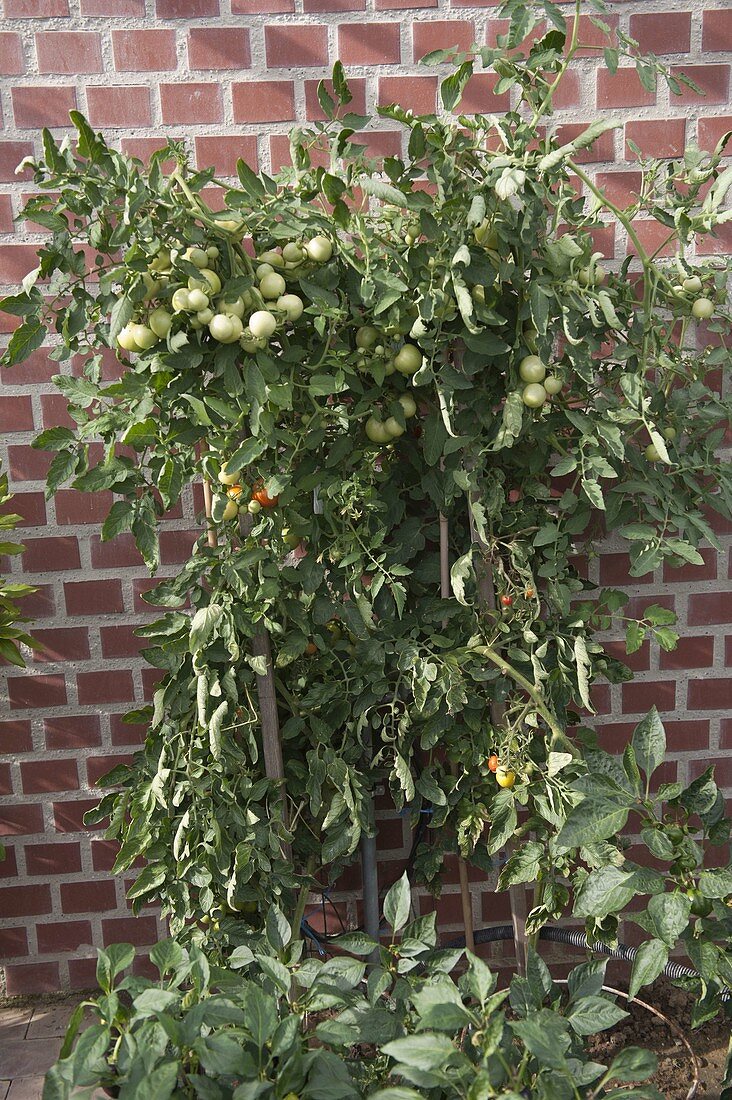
369 43
614 570
151 677
7 225
104 853
6 782
222 154
16 413
622 89
117 107
31 506
640 661
70 52
68 817
601 150
393 5
141 931
99 766
17 820
54 408
25 901
441 34
191 103
40 776
639 696
144 51
36 107
186 9
25 978
685 735
710 694
120 641
689 653
684 573
313 111
725 740
657 138
72 731
11 154
662 32
62 644
16 260
75 507
40 604
722 769
712 79
35 9
261 7
119 553
27 464
88 897
479 96
112 7
67 935
654 237
103 597
13 943
264 101
11 55
414 93
717 30
54 551
708 608
288 46
37 691
710 132
15 736
636 606
622 188
125 733
219 48
53 859
591 36
112 686
333 5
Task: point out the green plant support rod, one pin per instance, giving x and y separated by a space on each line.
516 894
465 898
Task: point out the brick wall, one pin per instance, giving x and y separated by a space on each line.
230 76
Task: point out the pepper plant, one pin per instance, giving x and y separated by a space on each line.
415 391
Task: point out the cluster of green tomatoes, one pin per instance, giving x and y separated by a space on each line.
201 302
540 385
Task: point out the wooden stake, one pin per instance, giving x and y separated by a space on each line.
465 897
516 894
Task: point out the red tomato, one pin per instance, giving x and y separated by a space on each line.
492 762
506 601
260 494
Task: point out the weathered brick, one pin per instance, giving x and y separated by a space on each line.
70 52
115 108
103 597
39 977
417 93
657 137
222 153
72 731
717 30
150 50
219 48
289 46
110 686
191 103
11 54
264 101
40 776
37 691
62 936
53 859
712 79
35 107
662 32
369 43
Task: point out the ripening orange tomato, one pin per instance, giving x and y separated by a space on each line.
260 494
493 762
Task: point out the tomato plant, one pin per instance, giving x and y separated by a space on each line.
423 364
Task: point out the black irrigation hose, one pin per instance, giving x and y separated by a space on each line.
575 938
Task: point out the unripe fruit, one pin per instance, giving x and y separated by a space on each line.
703 309
264 269
669 433
231 510
292 305
253 507
126 338
377 431
179 300
552 384
228 479
197 300
531 369
408 404
367 337
533 395
692 285
319 249
225 329
205 316
197 256
408 359
478 293
505 777
272 286
233 308
393 427
273 258
212 252
144 337
152 286
208 281
293 253
262 323
652 453
160 321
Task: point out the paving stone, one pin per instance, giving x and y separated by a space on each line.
50 1022
13 1024
4 1086
27 1057
26 1088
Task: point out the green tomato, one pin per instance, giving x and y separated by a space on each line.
273 258
272 286
231 511
264 269
233 308
319 249
262 323
531 369
179 300
225 329
693 285
208 281
144 337
533 395
702 309
160 321
253 507
393 427
408 359
197 300
652 453
552 384
669 434
196 256
408 404
291 305
205 316
293 253
126 338
367 337
377 431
